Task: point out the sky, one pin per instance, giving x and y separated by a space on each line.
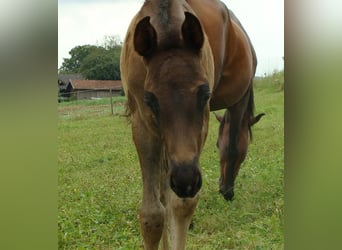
82 22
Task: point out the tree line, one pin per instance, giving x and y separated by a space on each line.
95 62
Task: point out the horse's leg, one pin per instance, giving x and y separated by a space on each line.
237 113
152 212
182 210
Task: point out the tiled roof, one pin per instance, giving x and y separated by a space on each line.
96 84
66 78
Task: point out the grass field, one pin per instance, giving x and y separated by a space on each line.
100 183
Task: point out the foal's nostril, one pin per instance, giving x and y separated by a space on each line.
172 183
199 181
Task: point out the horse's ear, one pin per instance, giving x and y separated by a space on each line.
256 119
218 117
145 37
192 32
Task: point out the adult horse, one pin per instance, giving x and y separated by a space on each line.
181 59
223 141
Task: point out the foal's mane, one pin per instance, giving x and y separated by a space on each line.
162 9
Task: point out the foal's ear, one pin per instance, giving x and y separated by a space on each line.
192 32
145 37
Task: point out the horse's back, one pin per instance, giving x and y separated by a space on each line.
233 53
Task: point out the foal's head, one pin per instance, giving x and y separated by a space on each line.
176 94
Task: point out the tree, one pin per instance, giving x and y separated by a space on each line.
110 42
95 62
100 65
77 56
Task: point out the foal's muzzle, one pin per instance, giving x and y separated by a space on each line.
185 179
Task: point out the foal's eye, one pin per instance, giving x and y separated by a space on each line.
203 95
151 100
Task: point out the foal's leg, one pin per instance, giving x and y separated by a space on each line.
152 212
182 210
165 200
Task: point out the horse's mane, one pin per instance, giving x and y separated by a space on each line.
250 111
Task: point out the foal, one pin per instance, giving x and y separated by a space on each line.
180 60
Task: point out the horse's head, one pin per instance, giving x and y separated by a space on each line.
176 93
226 187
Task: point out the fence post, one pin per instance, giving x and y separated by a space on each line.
111 101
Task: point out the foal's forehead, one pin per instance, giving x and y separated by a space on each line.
174 68
178 58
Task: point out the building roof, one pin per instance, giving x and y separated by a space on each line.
65 78
96 84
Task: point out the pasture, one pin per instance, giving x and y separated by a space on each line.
99 189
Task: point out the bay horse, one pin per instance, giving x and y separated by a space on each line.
223 143
180 60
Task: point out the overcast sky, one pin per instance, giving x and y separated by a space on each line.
83 22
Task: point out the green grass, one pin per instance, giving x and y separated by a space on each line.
86 102
100 184
84 109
